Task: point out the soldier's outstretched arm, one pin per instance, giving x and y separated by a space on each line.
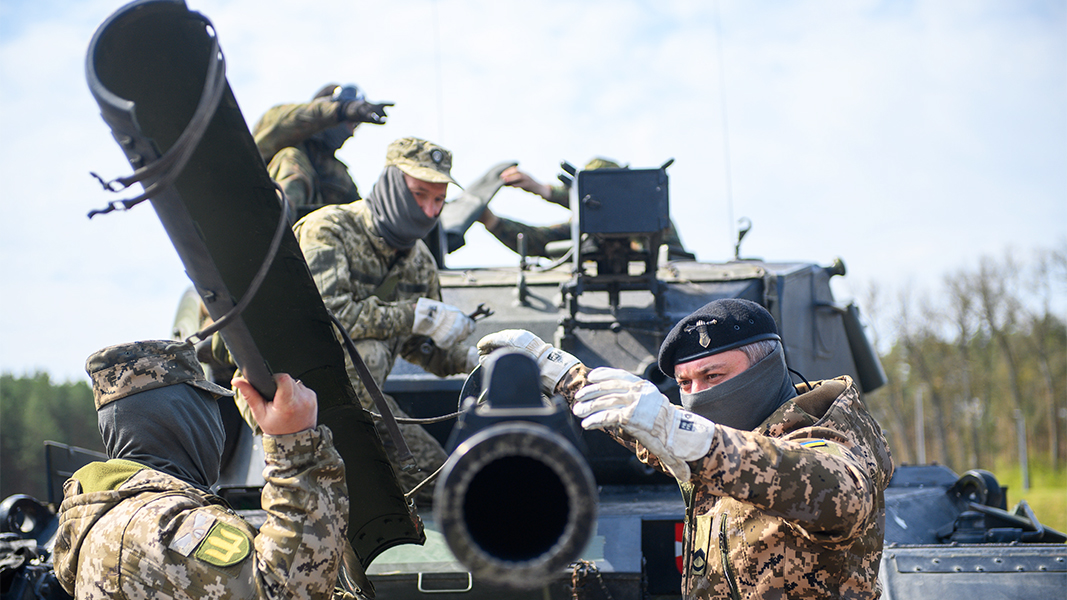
291 124
298 548
294 408
537 237
515 177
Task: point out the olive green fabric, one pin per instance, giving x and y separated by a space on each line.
100 476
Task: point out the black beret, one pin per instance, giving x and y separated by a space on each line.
716 327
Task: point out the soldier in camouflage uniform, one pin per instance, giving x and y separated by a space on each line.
783 484
298 142
538 237
378 277
145 525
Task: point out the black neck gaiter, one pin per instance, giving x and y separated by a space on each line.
746 400
333 138
397 217
175 429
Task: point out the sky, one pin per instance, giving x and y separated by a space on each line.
909 138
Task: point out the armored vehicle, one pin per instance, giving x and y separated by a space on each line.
610 301
528 505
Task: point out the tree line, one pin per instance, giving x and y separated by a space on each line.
977 377
34 409
977 370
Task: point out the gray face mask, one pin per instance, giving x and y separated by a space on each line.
746 400
175 429
397 217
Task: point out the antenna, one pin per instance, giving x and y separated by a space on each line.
744 225
725 127
438 71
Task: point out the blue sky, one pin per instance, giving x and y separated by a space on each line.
909 138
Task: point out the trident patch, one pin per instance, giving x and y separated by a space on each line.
702 328
225 545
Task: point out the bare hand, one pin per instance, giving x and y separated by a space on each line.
515 178
295 407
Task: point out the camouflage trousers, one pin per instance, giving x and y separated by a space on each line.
428 453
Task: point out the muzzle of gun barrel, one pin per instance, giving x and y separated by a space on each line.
516 503
516 500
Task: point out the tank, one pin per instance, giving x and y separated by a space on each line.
585 518
610 302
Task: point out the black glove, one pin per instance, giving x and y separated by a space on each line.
361 111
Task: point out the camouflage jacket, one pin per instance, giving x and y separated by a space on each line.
372 288
308 173
794 509
127 531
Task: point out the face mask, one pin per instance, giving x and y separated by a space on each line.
175 429
746 400
334 137
397 217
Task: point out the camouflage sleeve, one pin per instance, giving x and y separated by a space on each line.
293 171
574 380
299 546
506 231
560 195
364 315
819 486
290 124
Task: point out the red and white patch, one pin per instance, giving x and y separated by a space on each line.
679 532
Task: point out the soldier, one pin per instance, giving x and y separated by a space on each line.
298 142
783 484
144 523
378 277
537 238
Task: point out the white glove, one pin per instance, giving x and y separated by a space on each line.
445 324
552 362
472 358
617 398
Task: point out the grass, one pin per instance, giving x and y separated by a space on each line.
1047 495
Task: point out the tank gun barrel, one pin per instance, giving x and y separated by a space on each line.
516 500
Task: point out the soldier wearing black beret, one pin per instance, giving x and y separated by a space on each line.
783 484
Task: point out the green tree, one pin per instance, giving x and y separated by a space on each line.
32 410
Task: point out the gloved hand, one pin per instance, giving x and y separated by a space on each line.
473 359
552 362
361 111
445 324
617 398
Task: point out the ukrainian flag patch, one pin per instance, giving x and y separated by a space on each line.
814 443
225 545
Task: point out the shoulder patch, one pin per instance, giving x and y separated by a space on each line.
191 532
825 447
225 545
